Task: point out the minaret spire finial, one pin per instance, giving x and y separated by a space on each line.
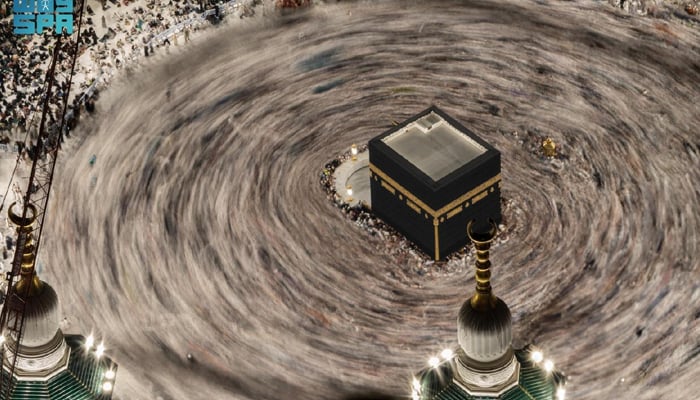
483 299
25 242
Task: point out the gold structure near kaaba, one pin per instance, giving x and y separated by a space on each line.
549 148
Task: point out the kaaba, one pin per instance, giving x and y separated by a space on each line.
430 176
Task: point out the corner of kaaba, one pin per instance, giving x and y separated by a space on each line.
430 176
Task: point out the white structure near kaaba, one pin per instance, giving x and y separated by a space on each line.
430 176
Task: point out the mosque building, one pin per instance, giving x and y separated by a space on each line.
47 363
485 366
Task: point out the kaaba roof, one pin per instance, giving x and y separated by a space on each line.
81 380
434 143
534 383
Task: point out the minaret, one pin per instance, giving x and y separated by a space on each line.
485 365
42 350
49 365
485 361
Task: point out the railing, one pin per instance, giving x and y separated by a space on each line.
226 8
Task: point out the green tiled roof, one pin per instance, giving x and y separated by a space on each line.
534 383
82 380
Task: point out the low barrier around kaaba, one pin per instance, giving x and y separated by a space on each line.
429 176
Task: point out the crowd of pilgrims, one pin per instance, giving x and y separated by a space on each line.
24 60
23 63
